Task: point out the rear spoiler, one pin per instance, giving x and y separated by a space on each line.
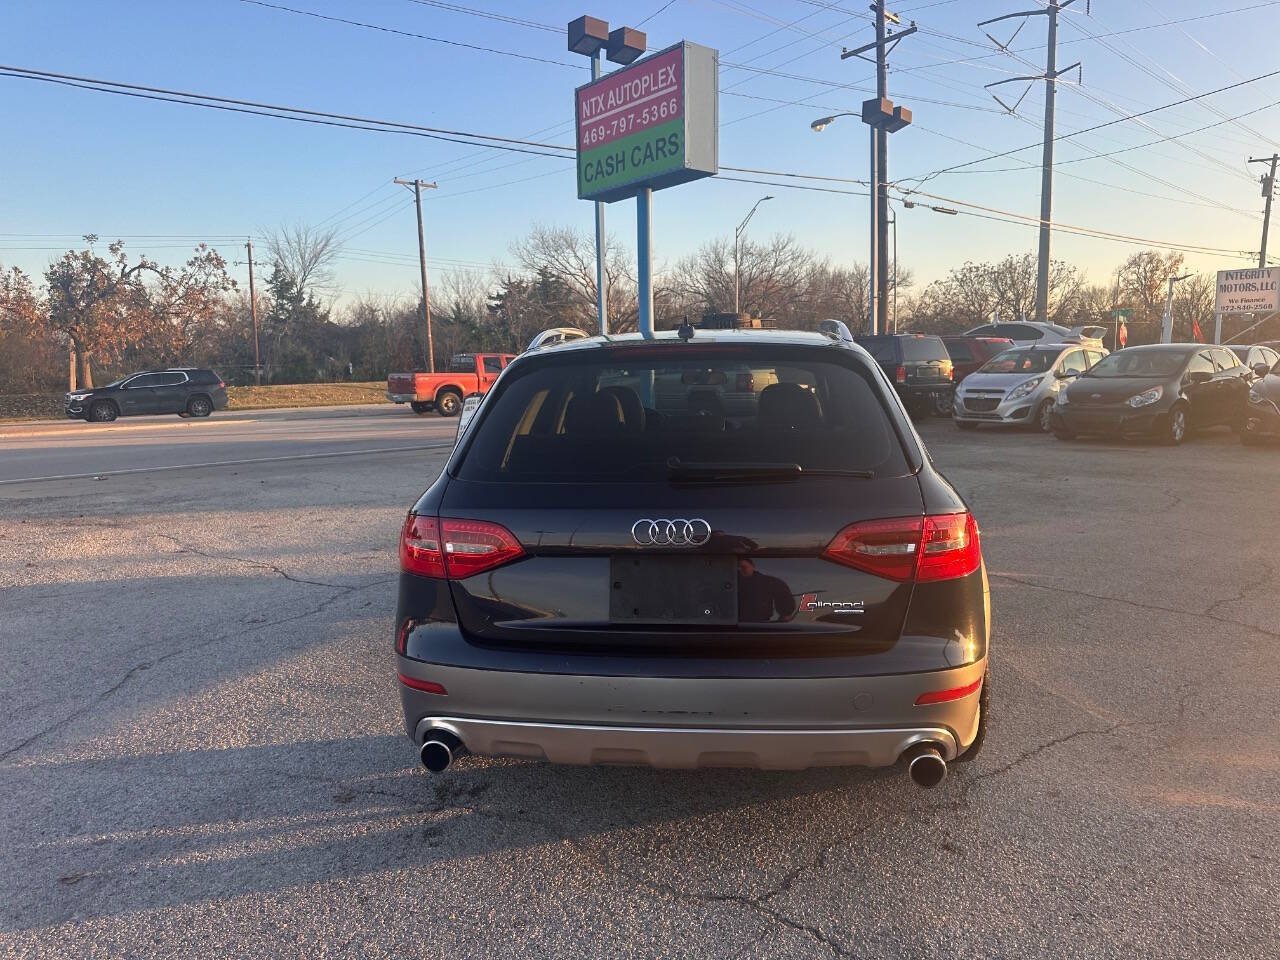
1089 331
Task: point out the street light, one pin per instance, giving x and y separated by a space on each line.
591 37
1166 327
737 234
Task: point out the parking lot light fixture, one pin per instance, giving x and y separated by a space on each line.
737 249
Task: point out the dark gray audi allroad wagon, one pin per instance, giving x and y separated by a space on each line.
727 548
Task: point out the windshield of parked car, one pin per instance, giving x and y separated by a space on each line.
1160 362
1020 361
594 417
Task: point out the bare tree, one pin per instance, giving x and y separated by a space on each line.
569 257
308 254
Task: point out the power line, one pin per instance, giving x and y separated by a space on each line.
281 112
1100 126
407 33
489 15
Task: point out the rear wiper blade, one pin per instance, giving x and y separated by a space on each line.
678 469
855 474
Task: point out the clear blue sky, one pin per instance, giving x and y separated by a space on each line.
76 162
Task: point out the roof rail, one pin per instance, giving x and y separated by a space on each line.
836 330
556 335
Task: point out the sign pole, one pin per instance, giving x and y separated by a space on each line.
1217 328
873 267
644 261
602 290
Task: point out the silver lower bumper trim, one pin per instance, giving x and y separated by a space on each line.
688 747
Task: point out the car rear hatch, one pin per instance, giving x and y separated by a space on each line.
925 361
690 529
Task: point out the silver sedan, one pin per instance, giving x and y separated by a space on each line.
1020 385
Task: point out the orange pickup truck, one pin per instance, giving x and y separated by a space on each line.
467 373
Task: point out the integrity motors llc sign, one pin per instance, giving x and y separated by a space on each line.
652 124
1248 291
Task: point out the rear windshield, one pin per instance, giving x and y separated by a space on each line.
1021 361
924 348
882 349
600 418
462 363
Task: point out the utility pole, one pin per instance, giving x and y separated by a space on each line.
1050 78
253 309
418 186
1268 187
883 118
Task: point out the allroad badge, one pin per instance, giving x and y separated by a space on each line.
671 533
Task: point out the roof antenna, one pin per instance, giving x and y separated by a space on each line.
685 330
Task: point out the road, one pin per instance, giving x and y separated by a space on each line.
201 752
74 448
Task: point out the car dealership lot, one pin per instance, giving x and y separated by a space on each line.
202 752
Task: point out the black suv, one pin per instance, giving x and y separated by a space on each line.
616 567
919 367
186 391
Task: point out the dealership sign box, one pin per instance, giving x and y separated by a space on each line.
652 124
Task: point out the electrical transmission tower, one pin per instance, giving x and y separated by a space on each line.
1050 78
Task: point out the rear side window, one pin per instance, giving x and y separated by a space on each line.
923 348
170 379
599 418
1226 360
1019 331
882 349
203 376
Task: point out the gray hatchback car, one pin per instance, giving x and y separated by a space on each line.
599 578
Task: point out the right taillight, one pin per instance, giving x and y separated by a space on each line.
454 549
900 375
936 547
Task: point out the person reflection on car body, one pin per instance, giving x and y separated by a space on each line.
761 598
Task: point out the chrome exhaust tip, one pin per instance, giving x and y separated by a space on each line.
926 766
439 750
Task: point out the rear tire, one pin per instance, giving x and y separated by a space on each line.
449 403
1175 426
104 411
419 406
199 406
984 716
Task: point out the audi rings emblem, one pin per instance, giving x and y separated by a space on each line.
671 533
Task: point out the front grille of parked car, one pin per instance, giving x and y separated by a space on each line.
981 404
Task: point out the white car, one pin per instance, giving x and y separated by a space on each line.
1025 333
1020 385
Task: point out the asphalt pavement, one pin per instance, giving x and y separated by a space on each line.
73 448
201 752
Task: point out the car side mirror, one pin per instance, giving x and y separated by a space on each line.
1261 369
1200 376
1068 373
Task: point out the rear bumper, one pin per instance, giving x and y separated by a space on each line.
783 723
404 398
687 747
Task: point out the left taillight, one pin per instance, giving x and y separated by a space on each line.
454 549
935 547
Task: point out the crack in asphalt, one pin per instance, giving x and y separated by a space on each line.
1205 615
184 547
1244 590
342 592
